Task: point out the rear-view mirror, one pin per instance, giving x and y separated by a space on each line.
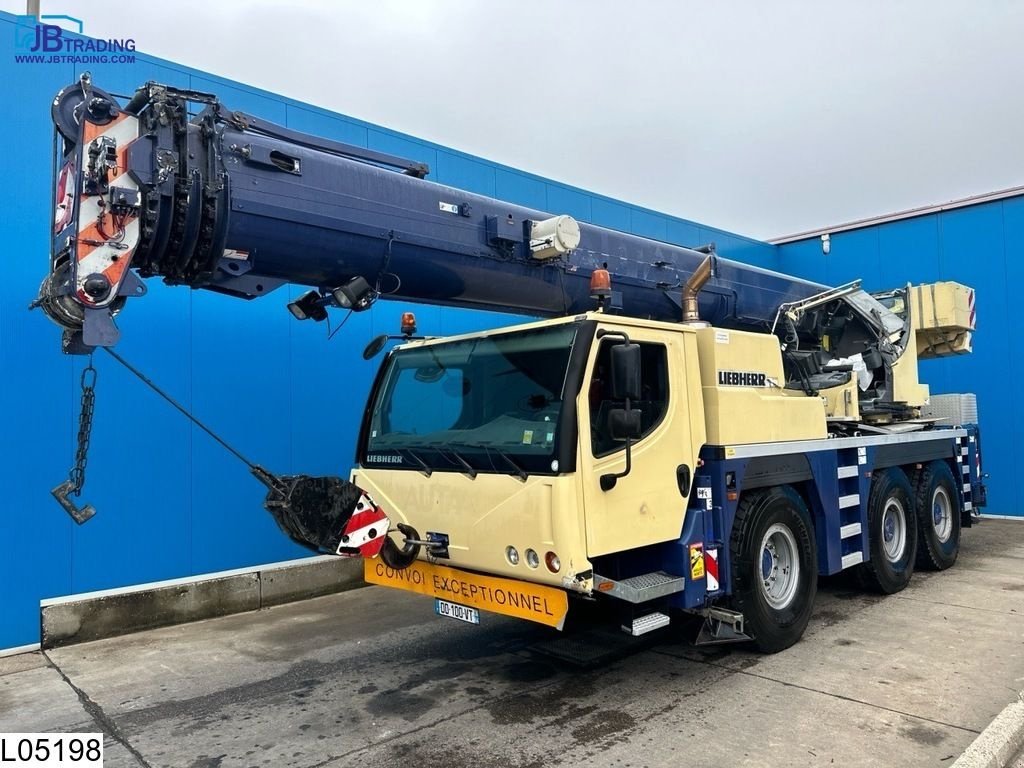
624 425
625 365
375 346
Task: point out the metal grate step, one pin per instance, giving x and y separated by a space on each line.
644 624
853 529
640 589
853 559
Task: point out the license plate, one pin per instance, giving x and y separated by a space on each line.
456 611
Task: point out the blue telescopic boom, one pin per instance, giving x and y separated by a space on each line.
228 202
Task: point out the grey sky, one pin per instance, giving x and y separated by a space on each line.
760 117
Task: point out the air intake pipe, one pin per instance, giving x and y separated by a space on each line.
700 276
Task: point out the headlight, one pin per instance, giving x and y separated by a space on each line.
532 558
552 562
512 555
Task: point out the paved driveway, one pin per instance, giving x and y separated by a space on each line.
373 678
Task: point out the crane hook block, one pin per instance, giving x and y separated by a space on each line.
326 514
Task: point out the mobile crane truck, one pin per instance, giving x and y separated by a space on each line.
679 432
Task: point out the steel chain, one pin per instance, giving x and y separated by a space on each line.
77 474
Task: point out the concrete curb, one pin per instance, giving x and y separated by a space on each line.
996 746
96 615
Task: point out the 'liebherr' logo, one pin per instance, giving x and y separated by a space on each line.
742 379
383 458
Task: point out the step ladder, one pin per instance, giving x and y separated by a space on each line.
963 460
851 530
643 588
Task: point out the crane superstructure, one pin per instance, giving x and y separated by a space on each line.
679 431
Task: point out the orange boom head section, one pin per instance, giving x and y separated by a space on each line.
97 212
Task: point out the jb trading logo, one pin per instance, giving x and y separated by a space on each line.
59 40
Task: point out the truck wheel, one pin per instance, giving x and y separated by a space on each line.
774 567
938 517
892 533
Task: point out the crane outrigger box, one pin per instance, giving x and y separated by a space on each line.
709 439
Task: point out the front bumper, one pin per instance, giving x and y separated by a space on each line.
509 597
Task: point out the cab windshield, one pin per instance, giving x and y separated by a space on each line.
488 404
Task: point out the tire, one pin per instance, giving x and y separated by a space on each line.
938 517
892 533
773 538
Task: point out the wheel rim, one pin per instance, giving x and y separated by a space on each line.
942 514
894 530
779 567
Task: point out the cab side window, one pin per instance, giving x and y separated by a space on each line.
652 404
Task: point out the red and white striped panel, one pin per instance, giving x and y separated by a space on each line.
970 305
365 531
96 252
711 565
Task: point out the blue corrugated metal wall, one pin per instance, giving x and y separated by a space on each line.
170 502
981 246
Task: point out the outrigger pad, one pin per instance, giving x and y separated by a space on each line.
313 511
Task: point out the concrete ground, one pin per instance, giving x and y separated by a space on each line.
372 678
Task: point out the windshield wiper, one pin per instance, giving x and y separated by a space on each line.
470 472
424 467
518 471
469 468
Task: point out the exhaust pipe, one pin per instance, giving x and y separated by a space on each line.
700 276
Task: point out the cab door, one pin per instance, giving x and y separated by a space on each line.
647 505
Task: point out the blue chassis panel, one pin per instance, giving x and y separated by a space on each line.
710 525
